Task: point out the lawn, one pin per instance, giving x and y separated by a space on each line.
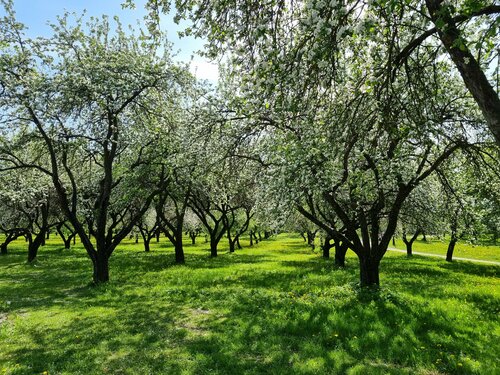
276 308
463 249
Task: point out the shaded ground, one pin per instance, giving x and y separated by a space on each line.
277 308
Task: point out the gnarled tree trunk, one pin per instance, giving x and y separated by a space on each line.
470 70
340 251
369 271
326 247
101 268
409 242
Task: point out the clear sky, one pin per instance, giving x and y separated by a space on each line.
36 14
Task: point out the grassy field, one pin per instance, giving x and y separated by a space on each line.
462 249
276 308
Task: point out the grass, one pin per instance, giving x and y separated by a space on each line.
276 308
462 249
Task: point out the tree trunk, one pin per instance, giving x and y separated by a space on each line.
472 73
10 237
48 235
232 246
157 235
146 244
67 243
394 241
213 246
340 251
192 235
101 268
451 248
179 251
310 239
33 250
424 237
326 247
238 242
409 243
369 271
34 245
230 240
251 238
303 236
409 250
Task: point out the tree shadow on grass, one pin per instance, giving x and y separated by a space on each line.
220 316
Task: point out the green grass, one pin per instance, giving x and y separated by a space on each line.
462 249
277 308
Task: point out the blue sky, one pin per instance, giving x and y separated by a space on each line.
35 14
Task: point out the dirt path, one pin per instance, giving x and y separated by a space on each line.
444 257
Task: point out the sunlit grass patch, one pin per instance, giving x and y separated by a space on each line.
275 308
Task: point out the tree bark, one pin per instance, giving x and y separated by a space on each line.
238 242
101 268
179 251
311 236
409 243
326 247
192 235
451 248
213 246
340 251
472 74
251 238
67 243
229 238
369 271
146 244
34 245
8 239
409 250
